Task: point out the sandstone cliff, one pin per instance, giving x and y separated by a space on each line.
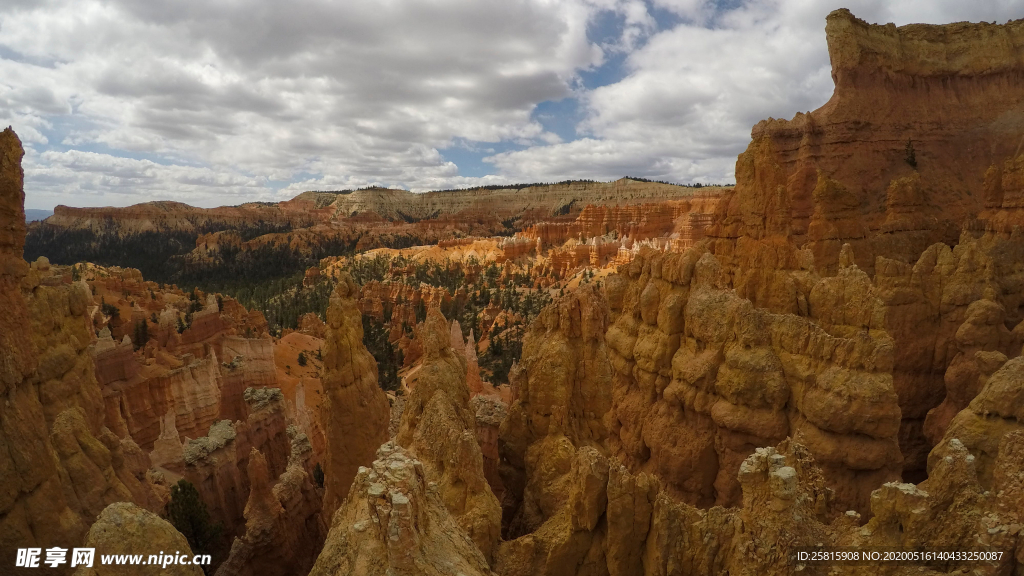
394 522
685 218
609 519
702 378
918 116
61 465
561 391
283 529
504 202
217 463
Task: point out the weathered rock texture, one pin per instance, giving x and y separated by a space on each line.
283 529
440 430
218 463
702 378
396 523
356 413
637 221
955 317
996 412
124 528
884 169
490 412
562 391
616 523
690 415
59 465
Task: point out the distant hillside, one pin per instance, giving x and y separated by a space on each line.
31 215
506 202
221 249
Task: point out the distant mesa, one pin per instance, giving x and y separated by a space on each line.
32 214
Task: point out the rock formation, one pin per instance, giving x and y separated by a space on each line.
995 413
124 528
702 378
562 390
439 429
955 316
905 128
394 522
217 463
283 528
616 523
355 414
545 199
61 465
829 354
490 412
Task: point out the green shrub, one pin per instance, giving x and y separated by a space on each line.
187 512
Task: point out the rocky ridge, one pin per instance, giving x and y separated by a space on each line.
62 464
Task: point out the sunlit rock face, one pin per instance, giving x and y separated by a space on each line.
356 411
439 428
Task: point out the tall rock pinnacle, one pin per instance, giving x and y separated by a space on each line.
356 411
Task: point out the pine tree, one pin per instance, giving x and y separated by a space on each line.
910 155
318 475
141 334
187 512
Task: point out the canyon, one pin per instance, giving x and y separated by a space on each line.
625 378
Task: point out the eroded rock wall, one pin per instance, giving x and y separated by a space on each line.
562 392
283 529
702 378
395 522
125 529
217 463
61 465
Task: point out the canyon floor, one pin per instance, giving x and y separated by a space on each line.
581 378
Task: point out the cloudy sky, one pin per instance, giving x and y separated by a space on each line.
214 102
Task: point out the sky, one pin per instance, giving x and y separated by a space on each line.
219 102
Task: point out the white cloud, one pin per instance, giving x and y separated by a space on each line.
93 179
228 98
357 91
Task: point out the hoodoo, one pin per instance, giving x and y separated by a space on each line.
356 410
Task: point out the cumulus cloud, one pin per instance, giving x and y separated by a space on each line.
216 102
360 91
